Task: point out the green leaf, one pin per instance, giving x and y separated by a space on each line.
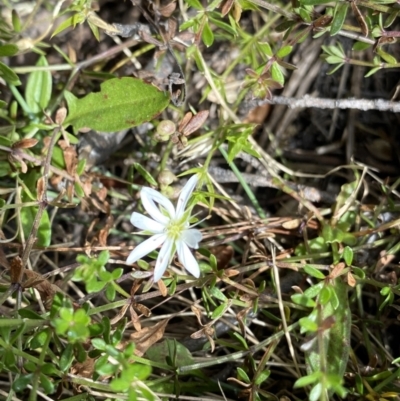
44 231
66 358
207 35
9 75
276 74
308 325
312 271
8 50
243 375
71 21
122 103
219 311
386 56
47 384
284 51
313 2
359 46
339 17
194 3
160 351
38 88
145 174
348 255
22 382
307 380
301 299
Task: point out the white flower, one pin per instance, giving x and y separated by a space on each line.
170 228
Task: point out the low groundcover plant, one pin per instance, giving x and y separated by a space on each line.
169 227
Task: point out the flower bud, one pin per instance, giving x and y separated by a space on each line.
166 178
165 130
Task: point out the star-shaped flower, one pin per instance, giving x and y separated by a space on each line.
169 227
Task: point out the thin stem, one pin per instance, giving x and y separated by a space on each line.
243 183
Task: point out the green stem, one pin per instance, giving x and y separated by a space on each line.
242 181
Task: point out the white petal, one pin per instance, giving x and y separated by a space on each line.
185 195
144 223
163 259
191 237
149 196
187 259
146 247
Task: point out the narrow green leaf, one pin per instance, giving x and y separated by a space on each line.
145 174
71 21
307 380
339 17
38 88
8 50
194 3
243 375
312 271
121 103
276 74
207 35
314 2
219 311
9 75
284 51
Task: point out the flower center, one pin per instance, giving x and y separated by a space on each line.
175 228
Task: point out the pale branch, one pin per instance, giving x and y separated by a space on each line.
320 103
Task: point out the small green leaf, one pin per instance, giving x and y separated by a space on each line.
44 231
359 46
47 384
160 351
372 71
122 103
194 3
276 74
307 380
386 56
9 75
207 35
301 299
71 21
66 358
8 50
145 174
219 311
243 375
284 51
261 377
312 271
313 2
22 382
348 255
38 88
217 293
339 17
308 325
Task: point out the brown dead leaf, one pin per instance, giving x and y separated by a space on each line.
16 270
224 254
40 188
24 143
351 281
148 336
120 314
84 369
60 115
162 287
45 288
